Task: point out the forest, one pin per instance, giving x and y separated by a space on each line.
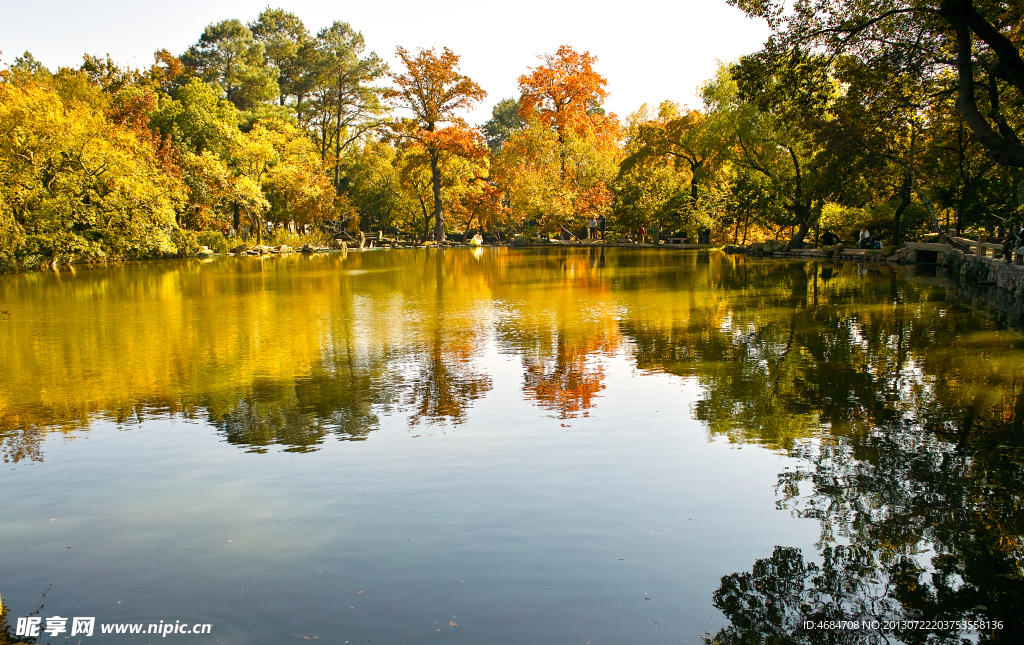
902 117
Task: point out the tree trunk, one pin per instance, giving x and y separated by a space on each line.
964 19
337 144
904 203
805 218
435 182
927 202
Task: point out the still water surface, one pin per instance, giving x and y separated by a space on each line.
499 446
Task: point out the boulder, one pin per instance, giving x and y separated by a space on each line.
284 248
205 250
241 248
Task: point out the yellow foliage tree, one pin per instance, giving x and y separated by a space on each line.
77 186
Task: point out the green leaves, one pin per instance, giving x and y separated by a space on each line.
229 56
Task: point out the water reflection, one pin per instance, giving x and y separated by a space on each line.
904 407
286 351
919 522
908 414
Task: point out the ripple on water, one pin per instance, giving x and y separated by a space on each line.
130 597
272 579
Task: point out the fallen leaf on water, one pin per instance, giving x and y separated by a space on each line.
359 592
452 623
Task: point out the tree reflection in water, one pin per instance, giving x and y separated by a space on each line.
917 524
915 476
905 410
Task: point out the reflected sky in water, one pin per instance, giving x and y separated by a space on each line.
539 445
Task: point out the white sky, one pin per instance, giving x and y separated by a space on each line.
649 51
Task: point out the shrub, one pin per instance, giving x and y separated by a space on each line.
215 240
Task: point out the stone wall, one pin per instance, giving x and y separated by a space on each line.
1002 282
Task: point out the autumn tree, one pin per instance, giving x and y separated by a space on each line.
433 90
564 93
556 168
73 185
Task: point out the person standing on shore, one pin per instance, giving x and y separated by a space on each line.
1009 244
601 223
591 228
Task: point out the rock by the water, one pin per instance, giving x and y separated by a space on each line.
241 248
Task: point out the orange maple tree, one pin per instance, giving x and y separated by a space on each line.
555 170
433 90
564 92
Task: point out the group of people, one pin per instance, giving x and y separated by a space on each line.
868 241
595 224
1014 240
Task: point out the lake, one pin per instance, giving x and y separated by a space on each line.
554 445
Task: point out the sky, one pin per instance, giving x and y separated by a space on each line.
649 51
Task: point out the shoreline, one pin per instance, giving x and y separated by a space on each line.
966 269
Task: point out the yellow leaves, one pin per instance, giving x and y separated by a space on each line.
278 161
88 186
248 195
555 181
